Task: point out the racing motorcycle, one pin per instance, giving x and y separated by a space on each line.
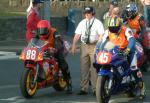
41 69
114 73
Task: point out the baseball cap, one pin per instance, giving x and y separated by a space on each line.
89 9
114 2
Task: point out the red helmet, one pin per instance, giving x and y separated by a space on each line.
43 26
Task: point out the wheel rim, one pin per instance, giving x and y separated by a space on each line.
62 83
31 88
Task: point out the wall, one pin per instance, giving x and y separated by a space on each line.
14 28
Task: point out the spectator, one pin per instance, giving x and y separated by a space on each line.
116 11
90 30
32 19
108 14
146 4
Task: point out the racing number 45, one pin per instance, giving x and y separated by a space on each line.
103 57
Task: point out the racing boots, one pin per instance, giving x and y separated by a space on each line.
69 87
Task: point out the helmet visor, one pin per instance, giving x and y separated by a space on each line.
43 31
129 14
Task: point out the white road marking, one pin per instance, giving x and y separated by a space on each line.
11 98
9 86
120 100
15 99
5 57
7 53
72 102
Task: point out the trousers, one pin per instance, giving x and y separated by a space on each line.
87 71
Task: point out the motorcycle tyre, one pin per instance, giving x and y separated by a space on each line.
100 86
23 84
60 85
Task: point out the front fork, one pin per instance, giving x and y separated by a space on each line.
109 73
36 74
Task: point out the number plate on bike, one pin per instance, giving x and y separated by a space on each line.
31 53
104 57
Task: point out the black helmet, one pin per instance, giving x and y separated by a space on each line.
89 9
114 2
132 11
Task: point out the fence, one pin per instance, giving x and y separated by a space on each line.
60 8
65 2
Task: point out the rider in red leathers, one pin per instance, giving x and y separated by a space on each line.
54 40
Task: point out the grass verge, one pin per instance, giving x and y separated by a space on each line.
12 14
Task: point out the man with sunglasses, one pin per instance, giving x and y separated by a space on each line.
89 31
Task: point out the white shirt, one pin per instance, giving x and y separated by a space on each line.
96 29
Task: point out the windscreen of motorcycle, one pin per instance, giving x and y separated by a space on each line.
35 42
109 46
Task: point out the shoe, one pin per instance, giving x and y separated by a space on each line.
69 89
82 92
142 90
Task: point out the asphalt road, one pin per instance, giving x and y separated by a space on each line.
10 72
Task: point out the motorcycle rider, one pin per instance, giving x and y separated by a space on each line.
136 22
54 40
122 37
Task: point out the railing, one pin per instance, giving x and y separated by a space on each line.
64 2
60 8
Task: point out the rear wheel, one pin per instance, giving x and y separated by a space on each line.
28 88
60 84
102 91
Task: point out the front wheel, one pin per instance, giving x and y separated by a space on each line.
102 91
28 88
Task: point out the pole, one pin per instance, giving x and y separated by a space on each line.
46 13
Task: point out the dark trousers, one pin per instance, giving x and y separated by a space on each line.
63 65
